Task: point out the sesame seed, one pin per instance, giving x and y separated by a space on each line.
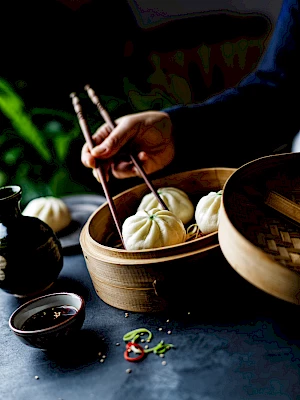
164 363
36 377
161 355
117 344
142 340
99 354
169 332
167 320
102 360
148 340
189 312
146 347
128 370
104 356
160 329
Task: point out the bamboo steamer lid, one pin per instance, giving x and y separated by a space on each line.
260 243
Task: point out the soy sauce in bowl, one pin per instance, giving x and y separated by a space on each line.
45 322
48 317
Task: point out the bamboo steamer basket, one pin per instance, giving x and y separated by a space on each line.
142 280
260 242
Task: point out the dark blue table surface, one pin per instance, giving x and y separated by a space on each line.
232 342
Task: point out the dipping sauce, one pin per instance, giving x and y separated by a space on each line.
48 317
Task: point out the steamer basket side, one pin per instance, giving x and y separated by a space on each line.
257 242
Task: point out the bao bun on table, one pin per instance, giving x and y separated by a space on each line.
52 210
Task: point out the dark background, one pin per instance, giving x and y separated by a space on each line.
51 48
54 49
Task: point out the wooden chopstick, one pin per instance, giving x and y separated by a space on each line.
105 115
99 168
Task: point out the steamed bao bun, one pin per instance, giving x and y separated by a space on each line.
149 229
52 210
175 199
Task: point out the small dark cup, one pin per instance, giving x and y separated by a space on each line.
47 321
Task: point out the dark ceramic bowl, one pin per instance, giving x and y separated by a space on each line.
46 322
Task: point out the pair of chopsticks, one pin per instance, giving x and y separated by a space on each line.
99 167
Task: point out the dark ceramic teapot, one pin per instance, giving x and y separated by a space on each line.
31 256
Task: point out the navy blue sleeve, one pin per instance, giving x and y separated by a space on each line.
258 117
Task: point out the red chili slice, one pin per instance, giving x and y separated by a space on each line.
128 350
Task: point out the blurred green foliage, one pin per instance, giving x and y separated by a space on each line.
34 146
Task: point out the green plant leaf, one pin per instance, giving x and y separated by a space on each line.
12 107
58 126
62 183
12 156
3 178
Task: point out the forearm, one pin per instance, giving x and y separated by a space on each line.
259 116
236 126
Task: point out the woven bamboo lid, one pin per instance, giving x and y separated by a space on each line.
261 243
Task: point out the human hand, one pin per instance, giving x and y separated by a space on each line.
147 135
